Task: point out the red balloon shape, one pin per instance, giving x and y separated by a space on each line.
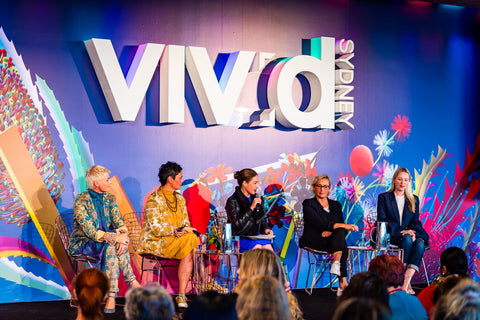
361 161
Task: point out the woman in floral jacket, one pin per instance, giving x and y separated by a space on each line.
166 228
100 232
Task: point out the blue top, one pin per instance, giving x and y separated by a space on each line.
406 306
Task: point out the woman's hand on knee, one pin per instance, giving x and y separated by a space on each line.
121 248
122 238
411 233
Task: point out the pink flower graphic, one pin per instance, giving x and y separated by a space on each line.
402 127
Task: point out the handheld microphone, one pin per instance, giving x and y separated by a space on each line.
194 231
259 194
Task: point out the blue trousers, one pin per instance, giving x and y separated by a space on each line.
412 251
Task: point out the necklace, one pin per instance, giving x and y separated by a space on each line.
394 290
172 205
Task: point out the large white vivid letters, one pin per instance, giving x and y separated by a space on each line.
172 85
320 74
217 98
124 95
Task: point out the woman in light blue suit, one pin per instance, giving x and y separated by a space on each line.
400 208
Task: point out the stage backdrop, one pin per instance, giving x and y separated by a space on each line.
293 89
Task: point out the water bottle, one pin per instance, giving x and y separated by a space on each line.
227 238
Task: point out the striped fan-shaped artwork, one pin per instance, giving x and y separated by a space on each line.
18 109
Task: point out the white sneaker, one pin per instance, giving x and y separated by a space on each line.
339 292
335 268
181 301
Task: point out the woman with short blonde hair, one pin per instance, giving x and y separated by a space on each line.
325 228
100 232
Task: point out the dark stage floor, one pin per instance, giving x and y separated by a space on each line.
320 305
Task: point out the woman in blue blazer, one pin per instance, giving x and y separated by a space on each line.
400 208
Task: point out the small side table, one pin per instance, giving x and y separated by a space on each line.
215 270
359 257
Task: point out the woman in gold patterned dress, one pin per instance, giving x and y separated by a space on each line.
166 228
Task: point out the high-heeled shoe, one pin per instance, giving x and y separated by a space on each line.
134 284
111 295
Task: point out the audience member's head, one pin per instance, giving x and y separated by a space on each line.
453 260
389 268
266 262
462 302
361 308
90 287
367 285
212 305
262 297
150 303
444 286
260 261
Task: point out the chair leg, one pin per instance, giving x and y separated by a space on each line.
160 272
320 262
298 264
141 273
308 274
425 270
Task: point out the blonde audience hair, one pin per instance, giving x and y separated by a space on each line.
462 302
95 174
262 297
408 191
265 262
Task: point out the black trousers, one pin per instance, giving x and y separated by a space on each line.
336 242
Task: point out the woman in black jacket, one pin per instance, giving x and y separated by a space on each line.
325 228
246 214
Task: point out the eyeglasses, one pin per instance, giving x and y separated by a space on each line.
321 186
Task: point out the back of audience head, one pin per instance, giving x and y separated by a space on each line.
445 286
367 285
90 287
389 268
266 262
212 305
361 308
262 297
461 303
150 303
260 261
453 260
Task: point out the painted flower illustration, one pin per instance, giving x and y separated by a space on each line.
381 172
383 143
357 189
389 175
345 185
402 127
219 173
273 177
